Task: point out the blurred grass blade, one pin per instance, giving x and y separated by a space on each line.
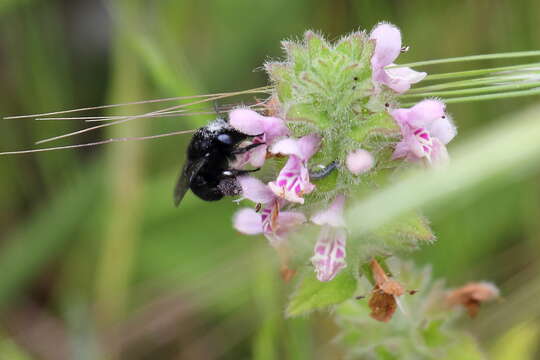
469 73
520 342
499 79
515 54
509 150
172 108
45 234
478 90
502 95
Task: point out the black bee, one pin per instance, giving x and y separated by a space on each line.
207 171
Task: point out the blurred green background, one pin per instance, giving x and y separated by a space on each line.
95 262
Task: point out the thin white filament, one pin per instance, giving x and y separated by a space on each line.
129 118
103 142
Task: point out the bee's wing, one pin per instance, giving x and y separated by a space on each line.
189 170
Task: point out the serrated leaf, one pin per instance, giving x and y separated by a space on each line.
377 124
408 231
306 112
315 44
312 294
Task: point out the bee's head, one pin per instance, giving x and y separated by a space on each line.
217 136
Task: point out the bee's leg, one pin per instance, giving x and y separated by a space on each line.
216 107
324 171
245 148
230 186
235 172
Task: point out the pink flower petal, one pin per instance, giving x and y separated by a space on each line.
309 145
400 79
425 129
252 123
359 161
274 128
443 129
287 146
333 216
425 112
387 48
281 192
277 225
257 156
303 148
293 181
329 253
255 190
401 150
387 44
247 221
247 121
439 155
288 220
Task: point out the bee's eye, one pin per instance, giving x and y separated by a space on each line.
225 138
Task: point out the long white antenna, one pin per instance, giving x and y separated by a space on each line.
103 142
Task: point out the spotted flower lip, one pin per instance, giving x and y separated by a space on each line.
265 129
329 253
387 48
293 180
271 221
329 257
426 129
274 224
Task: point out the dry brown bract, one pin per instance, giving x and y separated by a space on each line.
383 303
472 295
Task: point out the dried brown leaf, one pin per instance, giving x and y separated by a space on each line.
472 295
382 305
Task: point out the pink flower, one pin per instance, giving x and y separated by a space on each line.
293 180
329 253
426 129
387 48
252 123
359 161
329 257
333 216
271 222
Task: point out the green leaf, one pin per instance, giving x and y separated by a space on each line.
306 112
312 294
465 348
520 342
433 334
377 124
315 44
407 231
384 354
